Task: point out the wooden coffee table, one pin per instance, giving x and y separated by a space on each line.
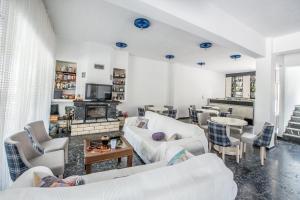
91 157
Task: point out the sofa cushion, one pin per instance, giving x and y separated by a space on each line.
166 124
55 144
54 160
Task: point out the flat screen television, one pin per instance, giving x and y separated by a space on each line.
98 92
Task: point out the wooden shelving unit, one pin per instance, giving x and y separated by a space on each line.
65 80
252 87
118 89
237 87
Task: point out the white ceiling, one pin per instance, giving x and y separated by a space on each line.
267 17
99 21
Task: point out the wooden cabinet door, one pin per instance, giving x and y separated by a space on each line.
246 86
228 86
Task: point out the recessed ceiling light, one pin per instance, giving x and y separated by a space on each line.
142 23
201 63
169 56
205 45
235 56
121 45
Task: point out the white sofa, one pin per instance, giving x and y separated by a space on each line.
193 138
201 177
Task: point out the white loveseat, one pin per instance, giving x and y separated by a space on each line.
192 137
201 177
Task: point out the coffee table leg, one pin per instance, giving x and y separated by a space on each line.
88 169
129 161
119 160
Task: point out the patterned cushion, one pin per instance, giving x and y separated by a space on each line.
53 181
36 145
142 122
15 163
158 136
179 154
217 134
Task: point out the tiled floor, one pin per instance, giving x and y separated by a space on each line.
279 178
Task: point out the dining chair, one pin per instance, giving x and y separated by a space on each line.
147 107
141 112
262 140
202 121
172 113
194 116
217 135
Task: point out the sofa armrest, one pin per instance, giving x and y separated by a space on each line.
130 121
26 179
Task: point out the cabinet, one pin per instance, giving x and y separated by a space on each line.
240 85
228 86
246 86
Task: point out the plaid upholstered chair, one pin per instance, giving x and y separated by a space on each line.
261 139
217 135
21 156
38 134
141 112
194 116
172 113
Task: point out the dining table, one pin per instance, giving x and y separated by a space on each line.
158 109
210 111
228 122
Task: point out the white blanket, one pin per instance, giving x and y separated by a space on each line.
202 177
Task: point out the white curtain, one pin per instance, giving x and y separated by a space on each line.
27 65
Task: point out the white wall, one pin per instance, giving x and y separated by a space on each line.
291 91
148 81
86 55
193 86
292 59
147 84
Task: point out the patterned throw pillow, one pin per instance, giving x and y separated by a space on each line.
53 181
158 136
179 155
142 122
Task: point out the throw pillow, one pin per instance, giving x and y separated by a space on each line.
53 181
141 122
158 136
177 154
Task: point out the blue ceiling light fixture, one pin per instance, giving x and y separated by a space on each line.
121 45
205 45
235 56
169 56
142 23
201 63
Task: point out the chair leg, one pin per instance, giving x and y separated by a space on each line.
241 150
244 147
265 156
262 155
238 153
223 153
209 146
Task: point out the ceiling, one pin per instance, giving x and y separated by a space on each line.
99 21
270 18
